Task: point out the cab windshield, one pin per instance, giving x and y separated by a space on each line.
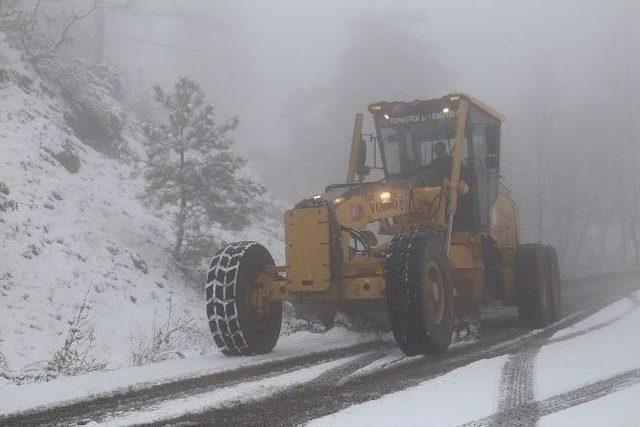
414 147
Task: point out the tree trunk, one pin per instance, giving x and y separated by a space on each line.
182 214
633 231
587 225
100 27
181 220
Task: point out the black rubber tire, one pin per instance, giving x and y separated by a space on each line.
492 267
409 255
231 317
555 282
533 285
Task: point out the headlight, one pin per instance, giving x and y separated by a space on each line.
385 197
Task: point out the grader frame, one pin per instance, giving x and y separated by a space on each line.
325 264
307 273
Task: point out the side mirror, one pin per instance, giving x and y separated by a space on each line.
362 169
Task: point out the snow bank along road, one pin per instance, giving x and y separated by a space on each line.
507 376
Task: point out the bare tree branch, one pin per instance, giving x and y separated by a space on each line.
75 18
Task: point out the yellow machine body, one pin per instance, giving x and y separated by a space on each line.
307 250
323 260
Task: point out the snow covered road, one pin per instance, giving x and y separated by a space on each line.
98 394
584 368
585 374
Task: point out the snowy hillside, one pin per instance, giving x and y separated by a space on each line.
78 227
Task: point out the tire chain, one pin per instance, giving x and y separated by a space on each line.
399 259
220 292
395 255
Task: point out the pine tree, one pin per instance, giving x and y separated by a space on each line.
192 167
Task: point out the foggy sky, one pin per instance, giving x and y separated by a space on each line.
252 57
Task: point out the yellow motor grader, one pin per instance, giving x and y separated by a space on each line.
434 236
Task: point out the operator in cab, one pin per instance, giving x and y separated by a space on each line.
442 162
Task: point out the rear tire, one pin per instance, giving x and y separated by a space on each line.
554 282
533 287
420 300
492 267
238 327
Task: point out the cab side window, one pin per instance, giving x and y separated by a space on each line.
484 155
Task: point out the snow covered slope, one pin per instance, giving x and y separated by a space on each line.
78 227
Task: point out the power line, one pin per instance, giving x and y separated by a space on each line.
152 43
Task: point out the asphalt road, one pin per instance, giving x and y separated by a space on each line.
338 388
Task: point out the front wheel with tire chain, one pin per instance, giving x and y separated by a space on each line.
420 298
237 325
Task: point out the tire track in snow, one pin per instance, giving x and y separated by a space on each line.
97 406
634 307
415 369
331 394
530 413
319 398
335 375
516 383
265 411
227 396
516 391
518 373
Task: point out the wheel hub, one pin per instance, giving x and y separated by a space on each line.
259 307
434 298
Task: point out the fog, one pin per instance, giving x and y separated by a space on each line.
564 73
150 149
258 59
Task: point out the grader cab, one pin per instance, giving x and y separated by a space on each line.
427 241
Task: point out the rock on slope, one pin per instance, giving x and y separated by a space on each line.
78 226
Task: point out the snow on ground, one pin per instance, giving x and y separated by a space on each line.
86 230
81 231
67 390
609 346
607 314
393 358
463 395
224 396
597 355
617 409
